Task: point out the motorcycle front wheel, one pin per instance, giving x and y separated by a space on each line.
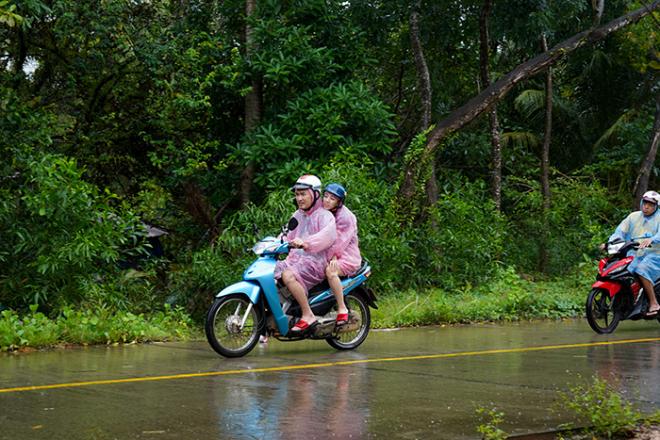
350 340
232 325
601 315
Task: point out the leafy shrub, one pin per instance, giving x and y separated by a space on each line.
57 230
346 121
606 412
463 240
579 219
491 420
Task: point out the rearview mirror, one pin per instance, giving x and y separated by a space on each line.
293 224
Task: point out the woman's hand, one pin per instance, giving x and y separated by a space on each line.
333 266
297 243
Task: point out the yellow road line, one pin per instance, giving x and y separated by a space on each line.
324 365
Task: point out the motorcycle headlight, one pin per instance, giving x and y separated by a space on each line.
614 248
267 244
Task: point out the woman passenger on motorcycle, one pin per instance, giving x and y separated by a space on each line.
646 265
345 258
310 242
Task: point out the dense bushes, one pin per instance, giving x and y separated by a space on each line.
59 233
582 215
463 241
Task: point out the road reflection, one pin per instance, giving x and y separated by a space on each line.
295 405
632 370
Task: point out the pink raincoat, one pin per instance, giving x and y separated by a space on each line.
346 245
316 227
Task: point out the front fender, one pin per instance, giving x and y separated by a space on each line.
251 290
612 288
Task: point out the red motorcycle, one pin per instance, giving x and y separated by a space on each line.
617 294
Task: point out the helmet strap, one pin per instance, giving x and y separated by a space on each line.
316 198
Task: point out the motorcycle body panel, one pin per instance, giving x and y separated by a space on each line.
611 287
258 281
627 299
261 271
251 290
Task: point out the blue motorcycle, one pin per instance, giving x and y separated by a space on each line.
259 305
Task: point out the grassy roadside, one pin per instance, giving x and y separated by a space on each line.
91 327
510 298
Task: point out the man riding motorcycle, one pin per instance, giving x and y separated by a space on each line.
645 224
304 267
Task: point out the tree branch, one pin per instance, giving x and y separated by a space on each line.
496 91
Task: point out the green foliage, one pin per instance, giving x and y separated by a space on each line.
7 14
606 412
491 420
505 297
58 232
343 121
575 224
88 326
463 238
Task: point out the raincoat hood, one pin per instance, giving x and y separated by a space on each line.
641 204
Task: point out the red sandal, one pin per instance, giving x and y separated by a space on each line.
303 326
342 319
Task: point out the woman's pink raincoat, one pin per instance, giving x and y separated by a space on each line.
316 227
346 245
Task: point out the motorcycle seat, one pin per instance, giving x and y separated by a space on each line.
323 286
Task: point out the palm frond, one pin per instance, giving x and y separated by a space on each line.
521 139
610 134
530 103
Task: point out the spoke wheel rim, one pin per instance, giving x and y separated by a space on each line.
356 309
226 324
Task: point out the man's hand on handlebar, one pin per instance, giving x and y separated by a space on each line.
645 243
297 243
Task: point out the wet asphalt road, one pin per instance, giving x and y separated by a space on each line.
406 384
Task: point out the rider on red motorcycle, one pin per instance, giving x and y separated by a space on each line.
644 223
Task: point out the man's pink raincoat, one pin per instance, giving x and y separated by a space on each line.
316 227
346 245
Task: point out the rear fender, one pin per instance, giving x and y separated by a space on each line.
249 289
368 295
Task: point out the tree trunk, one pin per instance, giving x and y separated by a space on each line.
642 182
545 163
199 209
599 8
253 106
547 135
425 93
496 146
496 91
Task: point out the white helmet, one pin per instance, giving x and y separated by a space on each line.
308 181
651 196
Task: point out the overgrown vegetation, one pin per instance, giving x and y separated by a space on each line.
169 116
35 329
605 412
490 427
599 406
507 297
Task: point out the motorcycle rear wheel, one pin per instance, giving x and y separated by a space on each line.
601 315
350 340
223 329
